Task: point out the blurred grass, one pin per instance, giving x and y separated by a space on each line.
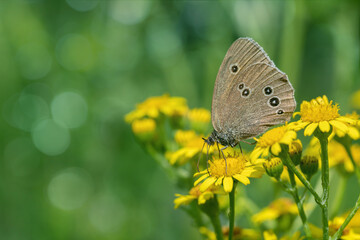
70 169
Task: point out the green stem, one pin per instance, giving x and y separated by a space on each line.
340 193
324 182
217 227
232 211
302 214
356 169
290 165
347 220
211 208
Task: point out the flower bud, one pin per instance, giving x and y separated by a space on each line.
144 128
274 167
309 165
295 151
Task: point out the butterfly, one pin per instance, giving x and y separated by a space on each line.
250 95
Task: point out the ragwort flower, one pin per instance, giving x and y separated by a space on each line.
277 208
322 114
339 156
353 132
195 193
270 142
190 145
238 169
154 106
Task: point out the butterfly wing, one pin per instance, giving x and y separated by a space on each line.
242 53
257 97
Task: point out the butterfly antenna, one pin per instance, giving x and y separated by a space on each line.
207 158
224 158
198 162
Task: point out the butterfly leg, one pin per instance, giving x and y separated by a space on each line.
217 144
250 143
240 148
224 158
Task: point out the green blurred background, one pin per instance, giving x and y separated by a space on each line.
70 70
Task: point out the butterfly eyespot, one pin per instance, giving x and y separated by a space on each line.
268 90
274 101
241 86
280 111
245 92
234 68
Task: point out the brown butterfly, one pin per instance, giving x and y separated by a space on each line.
250 95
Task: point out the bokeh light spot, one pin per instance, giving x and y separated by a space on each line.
106 214
82 5
50 138
75 53
34 61
129 12
25 110
69 189
69 109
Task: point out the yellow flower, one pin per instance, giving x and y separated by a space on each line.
199 115
355 100
152 107
183 137
242 233
238 168
277 208
350 232
353 127
238 234
338 155
269 235
207 233
271 140
322 114
143 126
199 119
191 145
195 193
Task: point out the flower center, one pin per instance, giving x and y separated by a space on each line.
318 110
272 136
217 168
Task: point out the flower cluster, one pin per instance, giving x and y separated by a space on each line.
173 134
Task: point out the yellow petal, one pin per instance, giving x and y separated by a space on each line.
339 125
242 179
207 183
200 179
200 173
256 153
354 133
310 129
288 137
324 126
219 181
228 184
276 149
205 196
346 119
